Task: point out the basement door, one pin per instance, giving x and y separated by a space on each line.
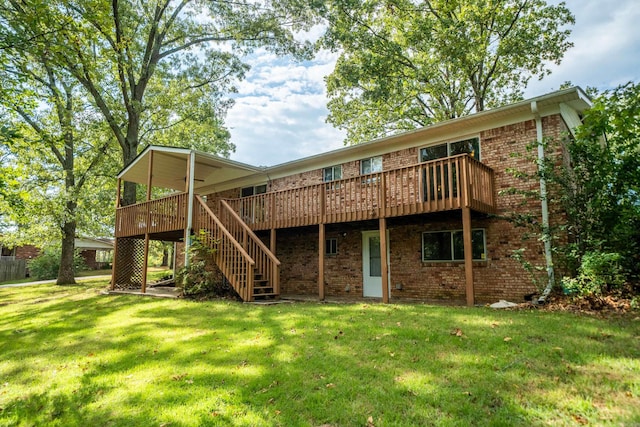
372 264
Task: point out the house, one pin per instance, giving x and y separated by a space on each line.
416 216
23 252
96 253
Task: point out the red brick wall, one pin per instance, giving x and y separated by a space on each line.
499 277
27 252
89 257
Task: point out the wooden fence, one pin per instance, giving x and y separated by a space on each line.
13 269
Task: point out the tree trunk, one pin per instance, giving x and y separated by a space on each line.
66 273
165 256
129 153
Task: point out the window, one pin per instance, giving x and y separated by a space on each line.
470 146
436 177
331 247
449 245
372 165
251 191
332 173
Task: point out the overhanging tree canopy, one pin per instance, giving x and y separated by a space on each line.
407 63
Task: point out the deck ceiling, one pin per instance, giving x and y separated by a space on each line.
170 167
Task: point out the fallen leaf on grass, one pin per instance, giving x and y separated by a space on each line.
580 419
331 385
507 339
370 422
457 332
178 377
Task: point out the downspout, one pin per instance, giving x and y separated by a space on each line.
187 241
545 205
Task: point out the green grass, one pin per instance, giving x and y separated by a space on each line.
153 274
73 357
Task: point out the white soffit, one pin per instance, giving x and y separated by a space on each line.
170 168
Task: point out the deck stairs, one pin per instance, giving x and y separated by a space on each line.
245 261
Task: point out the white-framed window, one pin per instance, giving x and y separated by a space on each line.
253 190
371 165
332 173
331 247
449 245
448 149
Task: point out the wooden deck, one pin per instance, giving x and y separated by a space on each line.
435 186
440 185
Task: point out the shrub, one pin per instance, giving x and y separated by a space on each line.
199 279
47 264
599 273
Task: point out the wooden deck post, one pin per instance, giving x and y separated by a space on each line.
272 241
115 243
321 250
468 254
148 223
384 260
189 181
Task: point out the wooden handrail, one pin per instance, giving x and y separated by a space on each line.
153 216
224 230
249 231
231 258
267 265
436 185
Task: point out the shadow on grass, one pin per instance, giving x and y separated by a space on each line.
138 361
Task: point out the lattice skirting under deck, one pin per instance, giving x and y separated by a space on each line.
129 263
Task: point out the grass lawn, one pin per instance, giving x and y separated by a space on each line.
73 357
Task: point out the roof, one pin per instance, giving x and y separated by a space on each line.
170 167
213 173
87 243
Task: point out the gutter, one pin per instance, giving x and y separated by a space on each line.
545 206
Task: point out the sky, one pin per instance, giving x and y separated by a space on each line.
280 108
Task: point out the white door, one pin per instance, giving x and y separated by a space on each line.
371 264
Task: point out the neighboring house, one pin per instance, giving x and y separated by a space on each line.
97 253
417 216
25 252
13 261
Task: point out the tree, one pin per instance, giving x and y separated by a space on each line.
406 63
600 190
54 155
126 55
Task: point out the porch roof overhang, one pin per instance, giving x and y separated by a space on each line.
170 165
85 243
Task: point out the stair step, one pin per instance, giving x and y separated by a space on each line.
265 295
262 287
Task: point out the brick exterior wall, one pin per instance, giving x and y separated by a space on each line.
498 277
27 252
89 257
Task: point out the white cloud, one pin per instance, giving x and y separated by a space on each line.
280 108
606 50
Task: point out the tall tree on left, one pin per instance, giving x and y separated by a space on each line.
56 148
128 55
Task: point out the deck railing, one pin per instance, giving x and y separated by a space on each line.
267 265
438 185
234 262
155 216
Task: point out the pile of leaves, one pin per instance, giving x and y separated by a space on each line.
601 305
